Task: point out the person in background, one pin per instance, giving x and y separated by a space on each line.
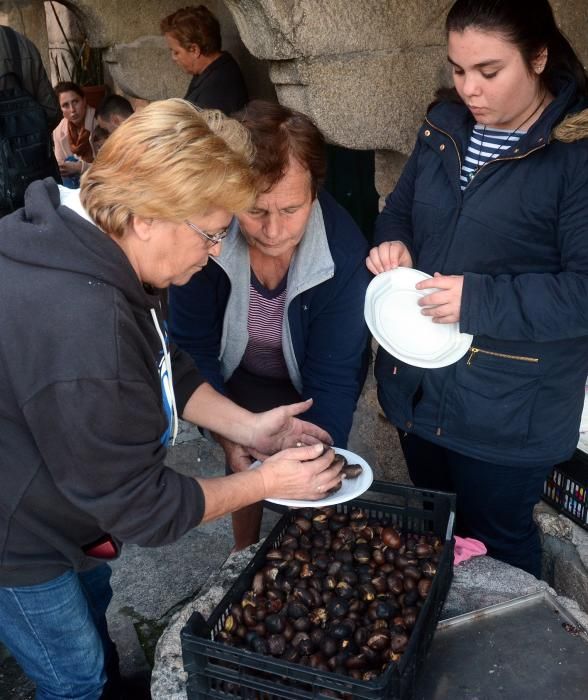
99 136
278 315
34 77
29 113
494 203
194 39
112 112
72 137
88 411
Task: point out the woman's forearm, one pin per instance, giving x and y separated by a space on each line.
209 409
227 494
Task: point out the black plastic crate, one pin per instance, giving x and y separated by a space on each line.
566 489
219 671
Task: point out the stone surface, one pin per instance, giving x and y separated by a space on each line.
168 681
280 29
483 581
388 167
333 90
565 554
124 63
375 439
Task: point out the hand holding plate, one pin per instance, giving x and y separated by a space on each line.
444 303
388 256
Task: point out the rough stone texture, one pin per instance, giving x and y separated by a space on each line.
168 680
388 166
565 554
483 581
281 29
28 18
335 91
125 61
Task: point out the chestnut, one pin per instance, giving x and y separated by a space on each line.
276 644
391 538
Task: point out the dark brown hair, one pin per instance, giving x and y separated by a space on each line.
113 105
279 133
194 25
66 86
531 26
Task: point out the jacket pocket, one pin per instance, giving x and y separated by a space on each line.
493 397
398 388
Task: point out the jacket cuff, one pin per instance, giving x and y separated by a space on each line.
469 314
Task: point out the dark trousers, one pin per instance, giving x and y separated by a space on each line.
494 502
259 394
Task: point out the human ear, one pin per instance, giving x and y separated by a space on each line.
142 227
540 61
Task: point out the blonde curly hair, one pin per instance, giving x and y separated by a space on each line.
169 161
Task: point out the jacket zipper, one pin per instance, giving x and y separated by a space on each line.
505 356
450 137
498 160
495 160
474 351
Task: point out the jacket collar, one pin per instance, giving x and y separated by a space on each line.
312 262
201 78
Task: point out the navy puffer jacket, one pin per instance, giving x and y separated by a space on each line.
519 235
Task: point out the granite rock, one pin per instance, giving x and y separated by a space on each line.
168 680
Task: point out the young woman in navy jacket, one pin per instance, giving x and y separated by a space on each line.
494 203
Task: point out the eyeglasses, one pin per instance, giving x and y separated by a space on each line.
212 240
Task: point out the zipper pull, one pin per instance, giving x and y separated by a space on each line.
395 370
473 352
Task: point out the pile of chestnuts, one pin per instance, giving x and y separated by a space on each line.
340 592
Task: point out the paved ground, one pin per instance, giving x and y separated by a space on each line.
151 584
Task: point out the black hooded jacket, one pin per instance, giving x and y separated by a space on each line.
82 423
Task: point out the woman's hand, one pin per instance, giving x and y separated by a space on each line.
387 256
300 473
279 428
70 168
297 473
444 304
238 457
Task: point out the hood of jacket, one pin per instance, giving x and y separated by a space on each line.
47 234
573 128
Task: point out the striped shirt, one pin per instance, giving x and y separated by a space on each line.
486 144
263 355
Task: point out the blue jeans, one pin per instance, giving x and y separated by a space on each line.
57 633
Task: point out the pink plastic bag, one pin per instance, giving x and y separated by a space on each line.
466 548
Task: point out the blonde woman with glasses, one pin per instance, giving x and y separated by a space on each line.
91 387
